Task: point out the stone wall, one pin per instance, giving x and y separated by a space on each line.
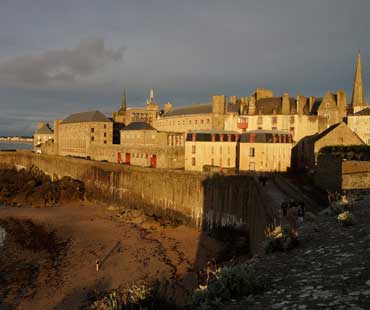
193 198
335 174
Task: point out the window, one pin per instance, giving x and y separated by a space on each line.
274 120
207 120
292 119
228 161
105 141
274 128
251 152
92 138
105 134
196 122
193 149
201 121
193 161
92 129
105 126
259 120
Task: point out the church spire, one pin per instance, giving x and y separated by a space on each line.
358 90
123 102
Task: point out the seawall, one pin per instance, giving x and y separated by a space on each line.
197 199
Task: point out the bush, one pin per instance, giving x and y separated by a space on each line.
140 296
279 238
227 283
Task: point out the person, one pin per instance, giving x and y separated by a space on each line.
284 208
97 264
292 220
300 213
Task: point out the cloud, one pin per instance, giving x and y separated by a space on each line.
60 66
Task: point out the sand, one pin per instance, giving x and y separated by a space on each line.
130 248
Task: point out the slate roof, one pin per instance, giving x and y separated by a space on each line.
44 130
201 108
269 105
325 132
138 126
84 117
365 111
262 136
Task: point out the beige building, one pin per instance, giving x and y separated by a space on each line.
142 145
212 149
43 134
305 153
80 131
359 122
206 116
298 117
265 151
147 114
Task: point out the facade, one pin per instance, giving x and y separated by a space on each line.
265 151
142 145
305 153
206 116
359 122
297 117
78 132
43 134
217 149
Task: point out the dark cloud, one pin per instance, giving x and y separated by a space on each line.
66 65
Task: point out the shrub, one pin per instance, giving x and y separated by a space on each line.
345 218
228 282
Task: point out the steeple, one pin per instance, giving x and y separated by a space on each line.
358 89
123 103
151 97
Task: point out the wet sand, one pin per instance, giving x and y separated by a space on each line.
131 247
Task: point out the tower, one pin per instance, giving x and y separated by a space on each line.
122 110
358 90
151 97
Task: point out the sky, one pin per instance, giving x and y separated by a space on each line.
63 56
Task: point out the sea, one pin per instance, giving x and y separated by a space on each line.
15 145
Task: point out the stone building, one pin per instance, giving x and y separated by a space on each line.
359 122
203 116
43 134
358 98
147 114
214 149
299 117
305 153
265 151
78 132
142 145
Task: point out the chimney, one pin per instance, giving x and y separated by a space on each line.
218 104
311 101
285 109
252 106
301 102
232 99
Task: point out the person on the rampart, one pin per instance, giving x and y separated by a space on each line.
300 213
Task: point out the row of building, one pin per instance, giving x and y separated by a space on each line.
257 133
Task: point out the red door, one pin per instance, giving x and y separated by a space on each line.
153 161
128 156
119 158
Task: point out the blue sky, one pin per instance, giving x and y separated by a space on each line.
59 57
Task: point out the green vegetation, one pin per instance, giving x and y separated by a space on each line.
228 283
349 152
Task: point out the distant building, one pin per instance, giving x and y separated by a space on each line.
43 134
142 145
212 149
265 151
203 116
305 152
147 114
76 134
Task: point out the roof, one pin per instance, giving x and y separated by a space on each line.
325 132
83 117
275 132
365 111
264 136
44 130
138 126
273 105
213 136
224 132
201 108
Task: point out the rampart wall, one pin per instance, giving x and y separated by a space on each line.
194 198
